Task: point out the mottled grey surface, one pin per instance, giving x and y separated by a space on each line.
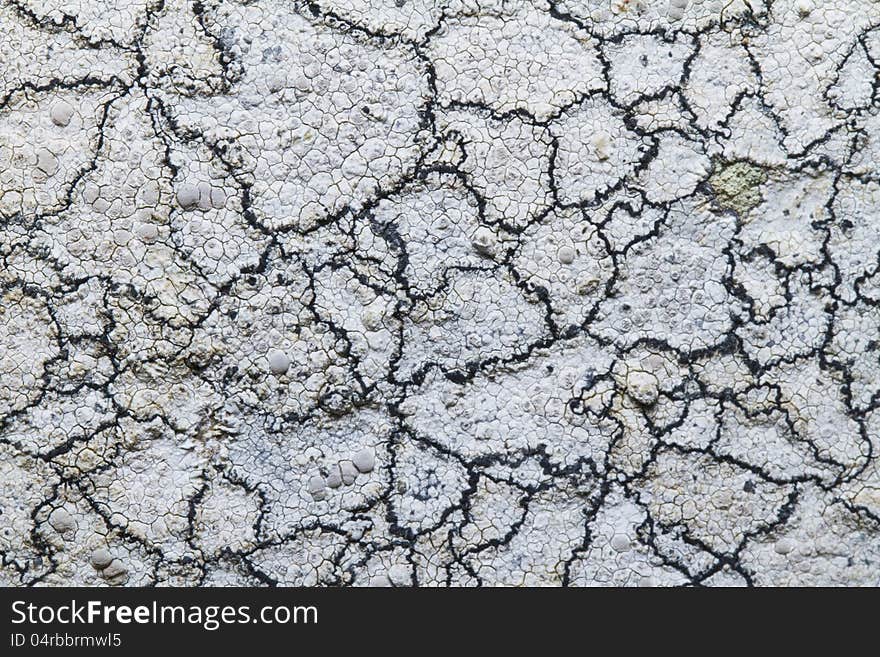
439 292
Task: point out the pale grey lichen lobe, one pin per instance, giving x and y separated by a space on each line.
440 292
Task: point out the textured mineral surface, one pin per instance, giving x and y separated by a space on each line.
439 292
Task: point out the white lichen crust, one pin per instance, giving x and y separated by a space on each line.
440 292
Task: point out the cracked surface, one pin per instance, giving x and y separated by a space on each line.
440 292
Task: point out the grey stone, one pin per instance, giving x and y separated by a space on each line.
620 543
484 241
61 521
148 232
334 479
365 460
566 255
316 487
61 113
187 196
115 570
349 472
101 558
218 198
642 387
279 361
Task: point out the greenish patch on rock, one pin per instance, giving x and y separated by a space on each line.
737 186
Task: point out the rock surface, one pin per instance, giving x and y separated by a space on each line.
443 292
